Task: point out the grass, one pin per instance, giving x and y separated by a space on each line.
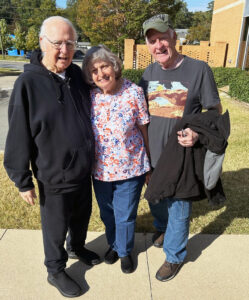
9 72
233 218
13 58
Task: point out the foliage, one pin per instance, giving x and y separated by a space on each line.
32 38
19 40
6 10
239 87
224 76
133 75
201 25
27 13
110 22
5 40
237 79
183 18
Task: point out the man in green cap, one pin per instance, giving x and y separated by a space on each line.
175 86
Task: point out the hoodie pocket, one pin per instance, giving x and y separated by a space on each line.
79 165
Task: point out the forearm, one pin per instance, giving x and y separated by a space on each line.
144 131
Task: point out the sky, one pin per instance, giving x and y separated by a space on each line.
193 5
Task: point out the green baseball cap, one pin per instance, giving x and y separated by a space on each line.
160 23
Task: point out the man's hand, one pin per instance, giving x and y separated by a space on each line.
187 137
29 196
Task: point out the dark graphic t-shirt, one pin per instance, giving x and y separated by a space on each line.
174 93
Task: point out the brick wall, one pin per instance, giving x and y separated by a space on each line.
226 26
138 56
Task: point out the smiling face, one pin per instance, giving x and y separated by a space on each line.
162 46
57 60
103 75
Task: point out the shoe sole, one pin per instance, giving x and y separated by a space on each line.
63 294
94 263
111 262
171 277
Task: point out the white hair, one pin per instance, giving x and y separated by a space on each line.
43 29
171 33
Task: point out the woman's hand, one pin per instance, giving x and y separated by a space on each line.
147 177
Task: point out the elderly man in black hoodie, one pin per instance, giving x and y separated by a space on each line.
50 129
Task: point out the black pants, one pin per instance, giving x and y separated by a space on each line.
61 213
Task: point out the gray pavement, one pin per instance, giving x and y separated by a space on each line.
216 268
6 86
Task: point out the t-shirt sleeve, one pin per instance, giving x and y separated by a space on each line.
209 95
142 115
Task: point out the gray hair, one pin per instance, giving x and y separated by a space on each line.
97 53
46 22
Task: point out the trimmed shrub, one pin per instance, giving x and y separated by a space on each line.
224 76
133 74
239 87
237 79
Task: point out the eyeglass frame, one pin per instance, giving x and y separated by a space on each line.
70 45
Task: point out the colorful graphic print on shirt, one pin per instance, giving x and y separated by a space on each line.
167 98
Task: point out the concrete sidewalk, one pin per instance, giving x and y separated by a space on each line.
217 267
6 86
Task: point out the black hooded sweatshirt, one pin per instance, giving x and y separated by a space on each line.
49 127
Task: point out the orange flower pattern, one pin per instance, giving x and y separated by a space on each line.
119 146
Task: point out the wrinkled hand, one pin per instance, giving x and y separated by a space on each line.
187 137
29 196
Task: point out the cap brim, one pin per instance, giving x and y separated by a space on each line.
157 27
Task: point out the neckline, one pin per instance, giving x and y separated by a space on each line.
176 68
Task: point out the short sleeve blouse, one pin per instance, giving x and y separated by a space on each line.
119 147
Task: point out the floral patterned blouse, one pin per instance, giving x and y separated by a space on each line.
119 146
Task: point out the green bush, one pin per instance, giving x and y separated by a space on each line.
224 76
237 79
133 75
239 88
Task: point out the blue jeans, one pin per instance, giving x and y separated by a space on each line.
118 203
172 216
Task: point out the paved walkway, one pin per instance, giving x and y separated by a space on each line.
217 267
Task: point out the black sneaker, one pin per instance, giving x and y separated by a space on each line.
158 239
90 258
65 284
168 271
111 256
127 264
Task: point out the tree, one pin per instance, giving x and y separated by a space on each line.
71 13
19 40
26 12
7 11
32 39
5 40
109 22
201 25
183 18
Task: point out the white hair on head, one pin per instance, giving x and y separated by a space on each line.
45 23
171 33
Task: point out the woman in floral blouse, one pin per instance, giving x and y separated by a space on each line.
119 120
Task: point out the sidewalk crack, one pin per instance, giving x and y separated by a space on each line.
3 234
148 267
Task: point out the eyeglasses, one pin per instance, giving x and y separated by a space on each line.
58 44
